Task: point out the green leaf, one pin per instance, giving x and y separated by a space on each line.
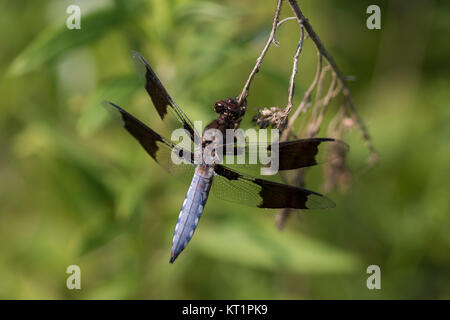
55 41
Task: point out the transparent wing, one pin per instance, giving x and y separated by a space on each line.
237 187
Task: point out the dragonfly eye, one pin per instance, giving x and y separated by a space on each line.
219 107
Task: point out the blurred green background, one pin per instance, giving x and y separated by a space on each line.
77 189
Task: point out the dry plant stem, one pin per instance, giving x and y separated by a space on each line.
336 123
284 20
322 104
333 91
257 66
275 42
318 101
305 100
288 108
338 85
318 112
349 103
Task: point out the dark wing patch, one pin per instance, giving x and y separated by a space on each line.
301 153
159 95
293 154
241 188
158 147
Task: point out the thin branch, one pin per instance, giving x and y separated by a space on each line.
305 100
288 108
318 100
255 70
349 103
334 89
274 40
284 20
303 20
322 106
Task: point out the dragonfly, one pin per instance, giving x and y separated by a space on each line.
229 184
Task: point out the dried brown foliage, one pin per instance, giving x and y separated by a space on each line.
328 85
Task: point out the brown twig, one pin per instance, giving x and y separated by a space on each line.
284 20
276 116
257 66
279 117
322 104
346 92
274 40
288 108
306 99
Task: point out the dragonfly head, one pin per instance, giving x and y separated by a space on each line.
229 108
